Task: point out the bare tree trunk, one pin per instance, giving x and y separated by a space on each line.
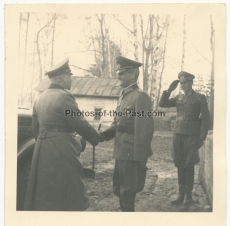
120 46
155 62
103 45
100 57
114 61
146 74
46 43
211 101
39 57
141 76
162 70
133 32
184 42
145 57
150 54
101 21
152 78
148 50
135 36
143 43
108 50
52 50
183 48
94 47
38 49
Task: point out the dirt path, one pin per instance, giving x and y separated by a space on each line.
161 182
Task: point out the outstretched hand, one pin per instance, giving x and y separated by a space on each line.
101 136
173 85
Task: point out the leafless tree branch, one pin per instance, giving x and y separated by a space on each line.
82 69
119 21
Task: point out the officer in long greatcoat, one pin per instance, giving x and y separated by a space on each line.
189 132
56 181
132 131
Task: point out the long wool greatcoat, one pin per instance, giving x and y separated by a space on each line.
56 180
192 124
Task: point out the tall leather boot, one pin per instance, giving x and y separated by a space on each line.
180 197
181 181
189 186
127 202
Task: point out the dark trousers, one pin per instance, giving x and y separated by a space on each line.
185 155
185 150
128 179
186 177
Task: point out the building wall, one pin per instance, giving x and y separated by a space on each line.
206 168
88 104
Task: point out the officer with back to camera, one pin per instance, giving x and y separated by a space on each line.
132 136
56 180
189 132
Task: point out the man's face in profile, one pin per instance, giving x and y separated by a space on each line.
126 78
68 80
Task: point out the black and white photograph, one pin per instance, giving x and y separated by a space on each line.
114 108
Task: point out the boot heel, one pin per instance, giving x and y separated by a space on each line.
179 200
188 197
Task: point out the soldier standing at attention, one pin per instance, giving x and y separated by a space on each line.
189 132
56 180
133 135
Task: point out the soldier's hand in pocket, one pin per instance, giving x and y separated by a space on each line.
173 85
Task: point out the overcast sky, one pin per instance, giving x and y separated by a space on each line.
197 49
70 41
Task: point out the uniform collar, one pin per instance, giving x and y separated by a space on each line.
55 86
189 93
129 89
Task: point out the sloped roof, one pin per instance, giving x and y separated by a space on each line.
89 86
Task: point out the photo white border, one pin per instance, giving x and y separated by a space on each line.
17 218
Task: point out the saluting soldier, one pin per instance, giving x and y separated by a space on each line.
133 134
189 132
56 180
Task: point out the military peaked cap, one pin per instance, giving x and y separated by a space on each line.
184 76
124 64
59 68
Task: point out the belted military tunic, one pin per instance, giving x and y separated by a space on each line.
191 124
56 180
132 131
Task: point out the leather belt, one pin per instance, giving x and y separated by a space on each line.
61 129
125 129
